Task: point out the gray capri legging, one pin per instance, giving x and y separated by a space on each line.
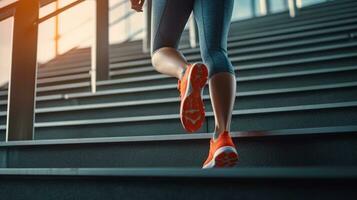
213 18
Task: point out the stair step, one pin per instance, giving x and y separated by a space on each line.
177 183
318 146
74 78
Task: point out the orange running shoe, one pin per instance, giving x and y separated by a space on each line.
192 110
222 152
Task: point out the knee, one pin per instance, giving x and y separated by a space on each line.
162 54
217 61
156 56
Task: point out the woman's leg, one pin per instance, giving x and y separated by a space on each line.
222 87
213 20
168 21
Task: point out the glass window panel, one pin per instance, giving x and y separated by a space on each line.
258 7
48 9
310 2
63 3
4 3
125 23
242 9
46 34
6 32
45 44
278 5
136 26
118 21
76 30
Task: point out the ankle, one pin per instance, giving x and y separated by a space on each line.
182 73
216 135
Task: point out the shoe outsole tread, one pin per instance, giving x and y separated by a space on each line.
192 109
226 158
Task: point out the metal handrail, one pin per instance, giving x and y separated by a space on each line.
9 10
59 11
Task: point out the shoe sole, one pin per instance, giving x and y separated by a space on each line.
192 111
224 157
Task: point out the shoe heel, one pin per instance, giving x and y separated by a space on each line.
227 158
199 76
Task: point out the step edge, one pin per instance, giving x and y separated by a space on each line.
234 173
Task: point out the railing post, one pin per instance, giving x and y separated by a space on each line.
268 5
22 87
292 8
253 7
147 30
102 40
286 4
193 32
263 9
298 4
